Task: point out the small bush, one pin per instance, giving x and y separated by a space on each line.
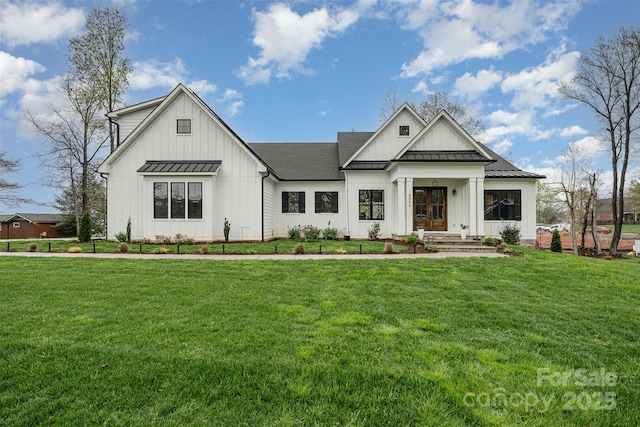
33 247
204 249
74 249
388 248
189 241
510 234
227 228
489 241
556 241
84 235
299 249
293 233
412 239
120 237
160 250
431 248
311 232
180 239
123 247
374 231
330 233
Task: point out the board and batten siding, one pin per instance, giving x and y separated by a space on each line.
388 142
528 188
234 193
370 180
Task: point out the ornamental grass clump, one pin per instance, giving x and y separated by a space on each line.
389 249
204 249
298 249
33 247
74 249
123 247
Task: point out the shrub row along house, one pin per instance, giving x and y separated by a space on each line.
180 169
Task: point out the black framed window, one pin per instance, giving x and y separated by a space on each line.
195 200
326 201
177 200
293 202
184 126
505 205
371 204
403 131
161 200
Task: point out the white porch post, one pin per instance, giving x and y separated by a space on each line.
473 210
480 206
409 207
402 207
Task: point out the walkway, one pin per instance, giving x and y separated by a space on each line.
278 257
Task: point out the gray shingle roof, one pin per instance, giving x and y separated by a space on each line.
304 161
349 143
38 217
184 166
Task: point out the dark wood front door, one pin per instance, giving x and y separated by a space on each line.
430 208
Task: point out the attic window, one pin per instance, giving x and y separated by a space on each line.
184 126
404 131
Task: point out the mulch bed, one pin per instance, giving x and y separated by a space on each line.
567 244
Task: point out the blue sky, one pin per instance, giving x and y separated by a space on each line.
301 71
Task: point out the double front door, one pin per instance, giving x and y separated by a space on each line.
430 208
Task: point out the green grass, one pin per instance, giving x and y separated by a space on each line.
277 246
87 341
626 228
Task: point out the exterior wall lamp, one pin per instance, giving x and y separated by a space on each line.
454 193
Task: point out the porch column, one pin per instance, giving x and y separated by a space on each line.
473 207
409 205
401 207
480 206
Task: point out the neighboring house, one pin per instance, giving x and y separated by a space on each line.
29 226
605 212
180 169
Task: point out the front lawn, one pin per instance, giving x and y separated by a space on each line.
541 340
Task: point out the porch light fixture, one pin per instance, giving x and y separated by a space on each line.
454 193
434 182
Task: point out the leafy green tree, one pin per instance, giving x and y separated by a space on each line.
86 226
97 56
633 194
608 82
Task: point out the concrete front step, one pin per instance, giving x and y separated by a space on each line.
465 248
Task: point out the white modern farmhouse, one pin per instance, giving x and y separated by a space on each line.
180 169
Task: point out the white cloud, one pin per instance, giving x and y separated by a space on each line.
472 87
453 32
154 73
535 87
421 87
573 131
502 147
23 23
234 107
286 38
15 72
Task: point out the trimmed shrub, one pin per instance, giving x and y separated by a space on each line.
489 241
412 239
123 247
330 233
510 234
227 228
86 224
128 235
556 241
388 248
299 249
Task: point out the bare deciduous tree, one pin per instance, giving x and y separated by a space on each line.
8 189
608 82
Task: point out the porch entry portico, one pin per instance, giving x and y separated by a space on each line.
430 208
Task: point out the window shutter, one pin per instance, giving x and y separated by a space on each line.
285 201
301 203
518 205
318 202
334 202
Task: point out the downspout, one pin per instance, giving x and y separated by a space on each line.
262 196
117 130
